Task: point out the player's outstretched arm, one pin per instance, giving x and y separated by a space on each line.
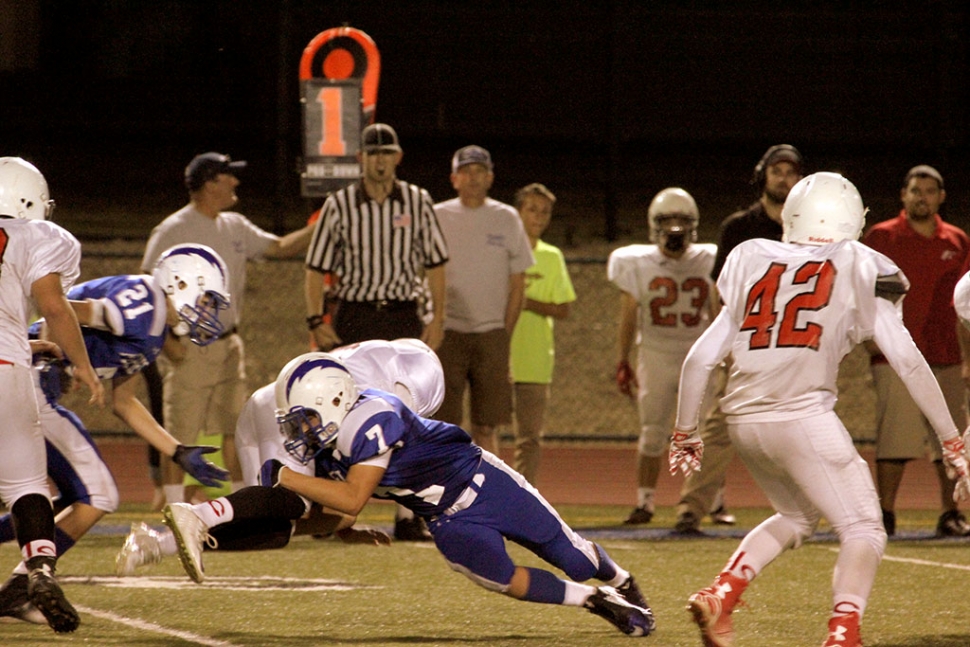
128 407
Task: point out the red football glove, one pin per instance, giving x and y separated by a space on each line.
626 379
955 462
686 452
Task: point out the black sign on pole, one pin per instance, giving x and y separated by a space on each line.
332 122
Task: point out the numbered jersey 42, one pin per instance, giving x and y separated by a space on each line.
799 310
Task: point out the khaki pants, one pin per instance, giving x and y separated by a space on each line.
700 488
530 410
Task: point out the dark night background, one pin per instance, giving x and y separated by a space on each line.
605 102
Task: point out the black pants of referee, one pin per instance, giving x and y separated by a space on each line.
357 321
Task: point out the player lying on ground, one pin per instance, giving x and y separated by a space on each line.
371 444
792 310
260 518
125 321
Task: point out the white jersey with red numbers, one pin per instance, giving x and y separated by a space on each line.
673 293
29 250
800 309
791 313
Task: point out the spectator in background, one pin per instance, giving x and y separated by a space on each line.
665 305
206 389
485 280
548 293
931 253
377 240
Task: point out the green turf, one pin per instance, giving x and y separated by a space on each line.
406 594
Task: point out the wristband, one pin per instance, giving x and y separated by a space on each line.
314 321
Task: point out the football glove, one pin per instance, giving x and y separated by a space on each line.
686 451
626 379
190 458
269 474
955 462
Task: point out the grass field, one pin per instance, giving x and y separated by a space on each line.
328 593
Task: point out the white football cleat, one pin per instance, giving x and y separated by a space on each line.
141 549
191 534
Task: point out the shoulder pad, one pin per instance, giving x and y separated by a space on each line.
891 287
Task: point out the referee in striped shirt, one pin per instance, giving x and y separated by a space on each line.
380 239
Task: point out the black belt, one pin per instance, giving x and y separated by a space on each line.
384 304
227 333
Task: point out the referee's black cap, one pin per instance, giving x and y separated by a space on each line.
379 137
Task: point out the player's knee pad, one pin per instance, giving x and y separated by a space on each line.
870 531
108 501
484 582
653 441
791 531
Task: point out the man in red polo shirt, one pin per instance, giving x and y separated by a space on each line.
932 254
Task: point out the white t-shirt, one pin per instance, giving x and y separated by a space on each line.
485 246
30 250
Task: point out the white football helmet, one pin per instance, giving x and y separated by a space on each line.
961 299
314 392
678 208
822 208
196 279
23 191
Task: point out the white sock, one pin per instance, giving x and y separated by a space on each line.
166 543
577 594
645 498
214 512
174 493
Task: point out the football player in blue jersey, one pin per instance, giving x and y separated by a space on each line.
125 321
370 444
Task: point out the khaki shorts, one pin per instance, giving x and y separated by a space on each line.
206 391
902 432
480 360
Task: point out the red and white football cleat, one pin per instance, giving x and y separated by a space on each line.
712 608
844 631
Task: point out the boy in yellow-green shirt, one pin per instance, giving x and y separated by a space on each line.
548 293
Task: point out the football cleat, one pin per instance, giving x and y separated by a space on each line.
639 516
191 535
141 549
45 593
630 592
844 631
14 603
952 524
630 619
722 517
688 524
712 608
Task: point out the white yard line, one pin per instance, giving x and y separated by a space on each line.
918 562
151 626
